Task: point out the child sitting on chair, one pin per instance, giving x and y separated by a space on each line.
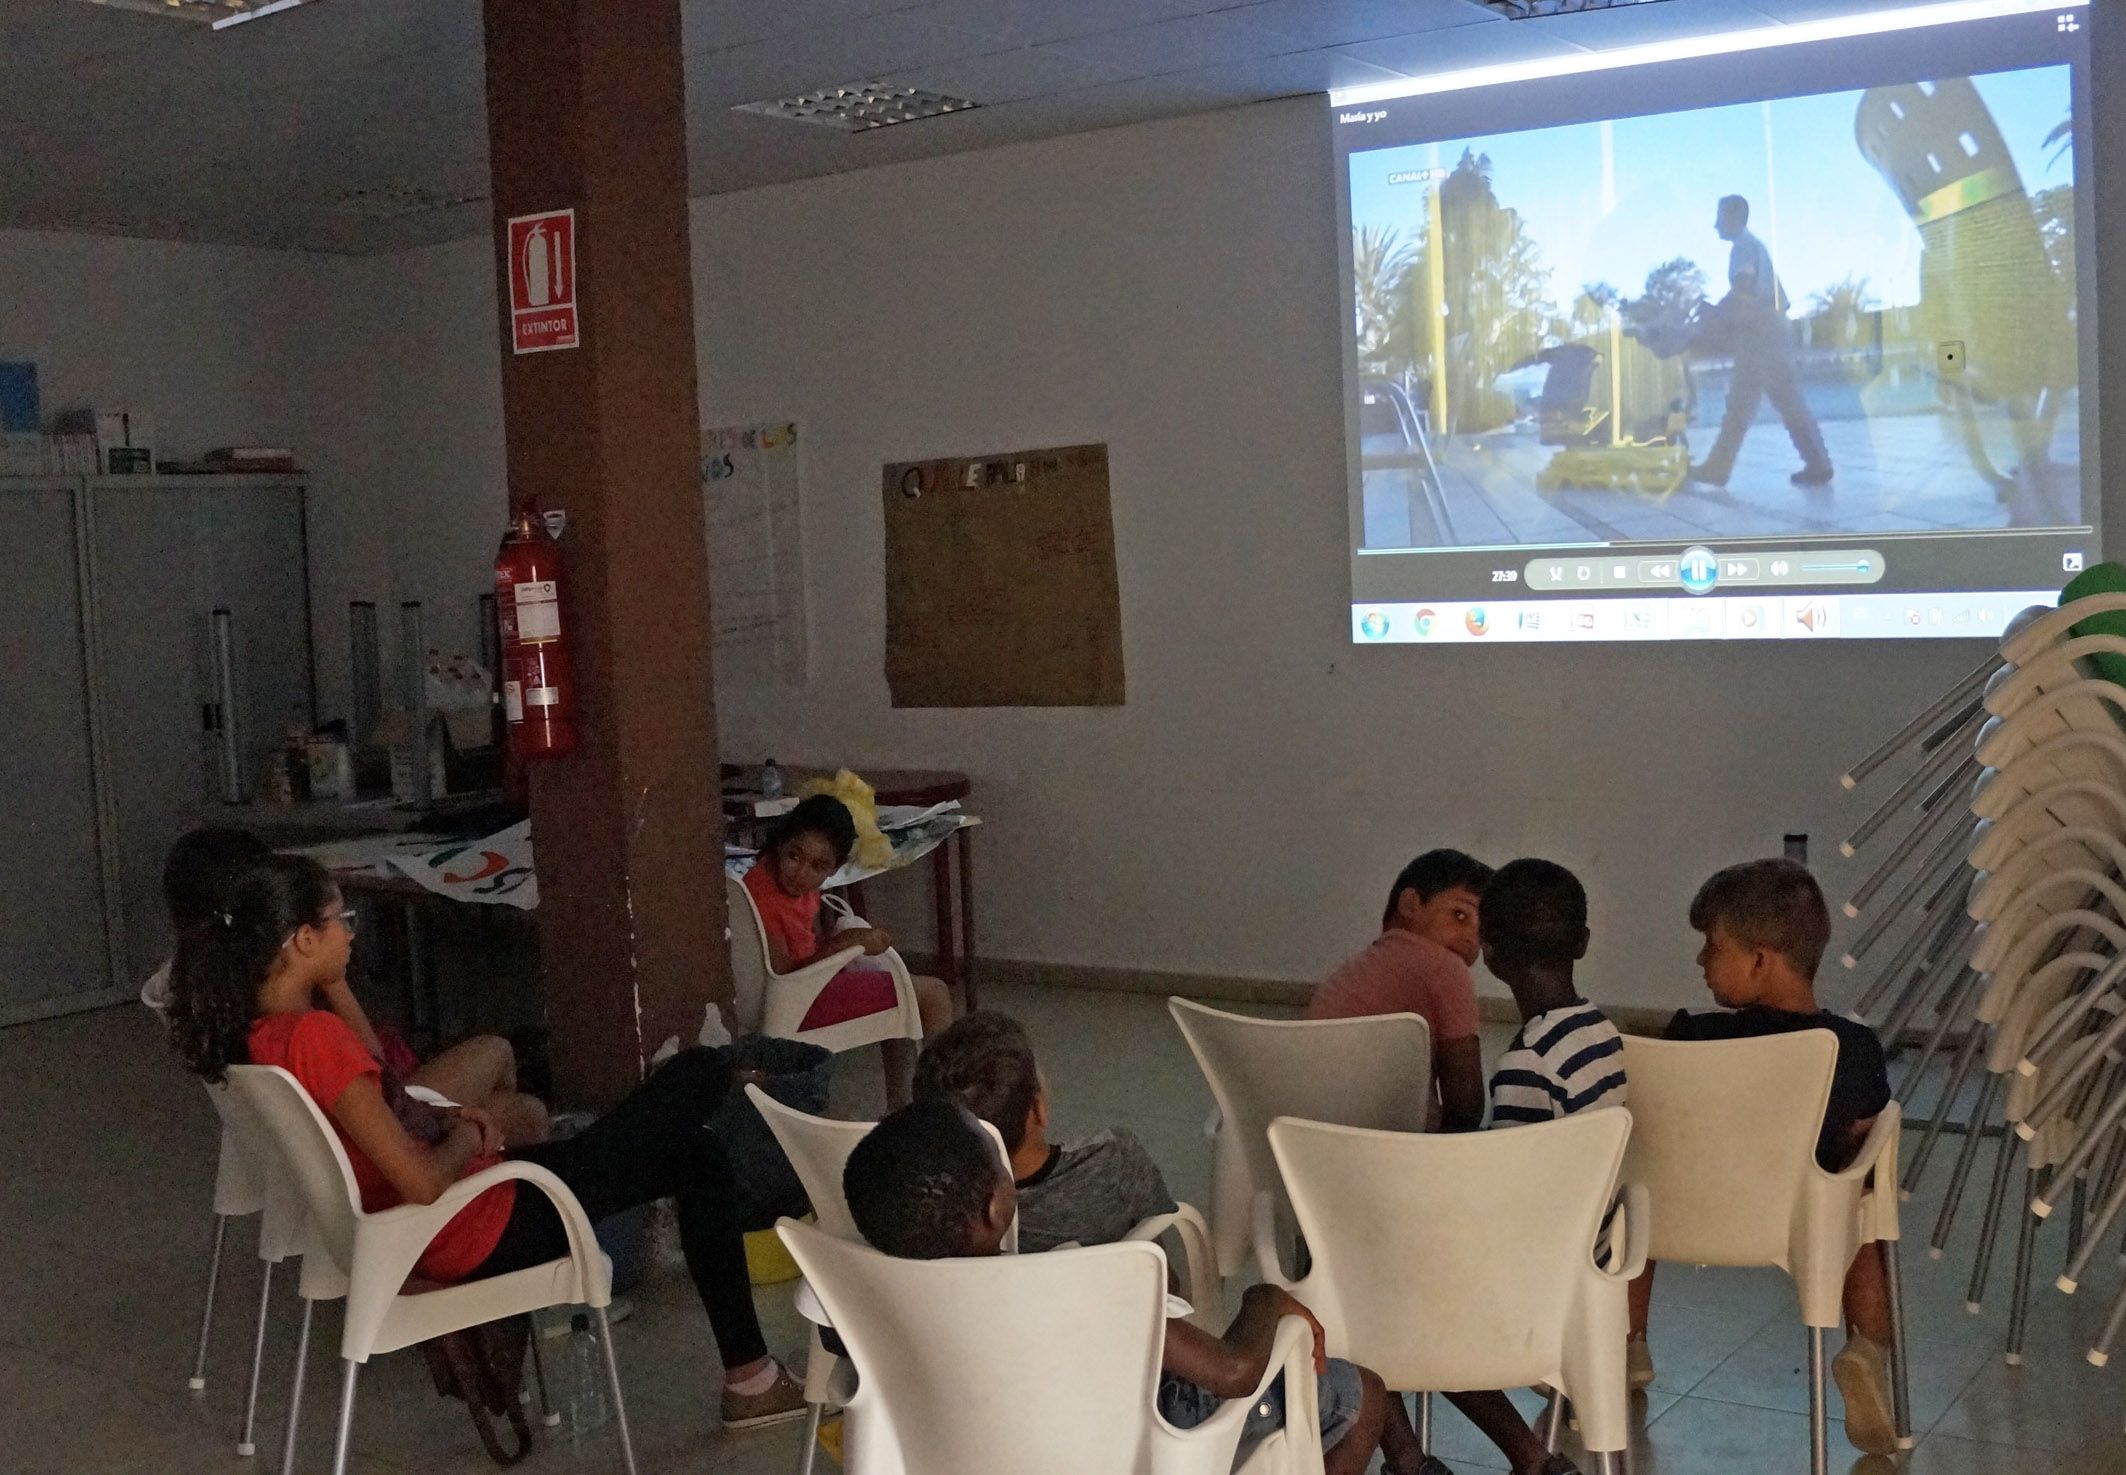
926 1184
808 845
480 1072
1089 1192
1765 929
1566 1057
1420 965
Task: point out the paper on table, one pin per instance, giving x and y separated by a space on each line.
907 816
368 855
494 871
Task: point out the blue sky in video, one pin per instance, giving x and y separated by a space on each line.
1815 201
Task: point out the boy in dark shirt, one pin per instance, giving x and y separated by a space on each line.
1766 928
1089 1192
926 1185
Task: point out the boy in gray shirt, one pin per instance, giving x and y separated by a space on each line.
1090 1192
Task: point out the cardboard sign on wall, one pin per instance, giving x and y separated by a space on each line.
1000 581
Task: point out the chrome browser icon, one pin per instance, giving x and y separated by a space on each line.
1425 620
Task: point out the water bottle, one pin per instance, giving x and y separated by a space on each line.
584 1408
770 780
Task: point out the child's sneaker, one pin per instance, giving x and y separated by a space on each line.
1638 1364
1863 1374
778 1403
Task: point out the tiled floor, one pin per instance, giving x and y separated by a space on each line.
104 1170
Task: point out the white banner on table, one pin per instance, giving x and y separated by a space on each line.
496 871
750 508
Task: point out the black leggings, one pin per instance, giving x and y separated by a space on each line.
653 1145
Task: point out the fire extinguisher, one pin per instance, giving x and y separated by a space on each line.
538 692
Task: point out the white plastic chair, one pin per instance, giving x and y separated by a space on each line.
1465 1261
1037 1364
236 1196
818 1149
775 1004
241 1189
376 1253
1724 1141
1367 1072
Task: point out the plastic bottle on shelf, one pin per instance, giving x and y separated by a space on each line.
770 780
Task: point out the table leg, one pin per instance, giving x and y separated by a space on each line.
941 907
964 838
427 1007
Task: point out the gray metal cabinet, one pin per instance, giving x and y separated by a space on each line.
122 758
56 949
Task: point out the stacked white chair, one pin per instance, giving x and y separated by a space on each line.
1459 1262
1037 1364
2016 956
1368 1072
369 1257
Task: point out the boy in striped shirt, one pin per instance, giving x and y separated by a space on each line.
1566 1057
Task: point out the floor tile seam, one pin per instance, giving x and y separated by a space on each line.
1748 1337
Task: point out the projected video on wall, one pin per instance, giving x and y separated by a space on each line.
1820 355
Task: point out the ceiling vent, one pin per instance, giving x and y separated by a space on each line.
396 201
859 106
219 14
1535 9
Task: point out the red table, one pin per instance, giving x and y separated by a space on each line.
922 788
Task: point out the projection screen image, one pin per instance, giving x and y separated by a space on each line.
1837 333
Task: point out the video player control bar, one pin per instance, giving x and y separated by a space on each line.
1702 570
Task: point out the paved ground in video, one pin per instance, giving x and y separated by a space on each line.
1908 473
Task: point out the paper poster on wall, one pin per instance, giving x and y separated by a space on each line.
750 507
1000 581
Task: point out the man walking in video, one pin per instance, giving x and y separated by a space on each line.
1753 321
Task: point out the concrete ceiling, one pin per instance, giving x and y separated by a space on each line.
311 128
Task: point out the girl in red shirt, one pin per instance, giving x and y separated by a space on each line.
808 845
247 988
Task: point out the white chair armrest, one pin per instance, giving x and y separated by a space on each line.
1874 1172
788 997
1291 1358
1878 1149
1636 1210
398 1236
1269 1263
1199 1267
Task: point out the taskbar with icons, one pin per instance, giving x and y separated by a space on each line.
1960 615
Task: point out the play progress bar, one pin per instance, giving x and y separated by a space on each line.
1701 570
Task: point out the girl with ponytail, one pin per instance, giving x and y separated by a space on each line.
245 989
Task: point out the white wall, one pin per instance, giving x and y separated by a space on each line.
1169 289
200 336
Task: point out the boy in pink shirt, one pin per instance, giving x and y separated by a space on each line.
1420 965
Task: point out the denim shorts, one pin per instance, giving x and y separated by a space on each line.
1184 1405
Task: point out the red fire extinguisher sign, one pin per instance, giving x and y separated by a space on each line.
542 281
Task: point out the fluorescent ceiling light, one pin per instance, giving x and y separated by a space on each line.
187 10
1719 43
221 14
859 107
1537 9
257 10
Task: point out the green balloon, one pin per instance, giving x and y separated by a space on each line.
2101 578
